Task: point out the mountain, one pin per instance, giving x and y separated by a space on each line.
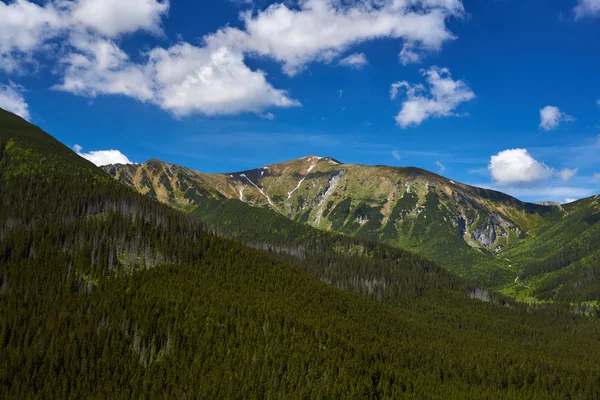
462 227
106 293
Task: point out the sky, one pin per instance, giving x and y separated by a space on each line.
502 94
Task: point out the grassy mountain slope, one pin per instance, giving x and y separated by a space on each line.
466 229
562 262
105 293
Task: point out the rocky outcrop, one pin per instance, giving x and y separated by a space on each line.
486 235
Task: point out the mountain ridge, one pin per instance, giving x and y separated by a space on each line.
389 204
478 233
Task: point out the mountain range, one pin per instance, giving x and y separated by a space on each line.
108 293
520 248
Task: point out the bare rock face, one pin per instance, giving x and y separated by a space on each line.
486 235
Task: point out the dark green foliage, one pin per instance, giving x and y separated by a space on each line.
108 294
371 269
402 208
564 257
340 213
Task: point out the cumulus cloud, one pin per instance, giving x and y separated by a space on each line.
183 79
212 77
98 66
26 27
551 117
211 81
517 167
11 99
567 174
103 157
115 17
320 30
356 60
442 96
587 8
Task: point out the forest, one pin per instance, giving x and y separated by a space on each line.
105 293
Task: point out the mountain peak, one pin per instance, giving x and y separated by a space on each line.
318 159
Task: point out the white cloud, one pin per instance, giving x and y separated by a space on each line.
341 93
211 81
567 174
442 167
408 55
24 28
445 95
320 30
551 117
211 78
356 60
183 79
396 155
11 99
597 176
98 66
517 167
27 28
114 17
587 8
103 157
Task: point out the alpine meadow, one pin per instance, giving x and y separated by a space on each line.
307 199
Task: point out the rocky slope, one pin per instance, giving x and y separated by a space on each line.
457 225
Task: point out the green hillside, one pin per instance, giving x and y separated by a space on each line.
477 233
562 262
105 293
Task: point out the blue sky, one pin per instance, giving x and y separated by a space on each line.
497 93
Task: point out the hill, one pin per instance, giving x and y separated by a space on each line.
477 233
105 293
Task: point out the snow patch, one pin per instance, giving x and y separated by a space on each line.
260 190
301 180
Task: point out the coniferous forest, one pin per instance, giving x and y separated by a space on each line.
105 293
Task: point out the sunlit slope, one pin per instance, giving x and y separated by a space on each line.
457 225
